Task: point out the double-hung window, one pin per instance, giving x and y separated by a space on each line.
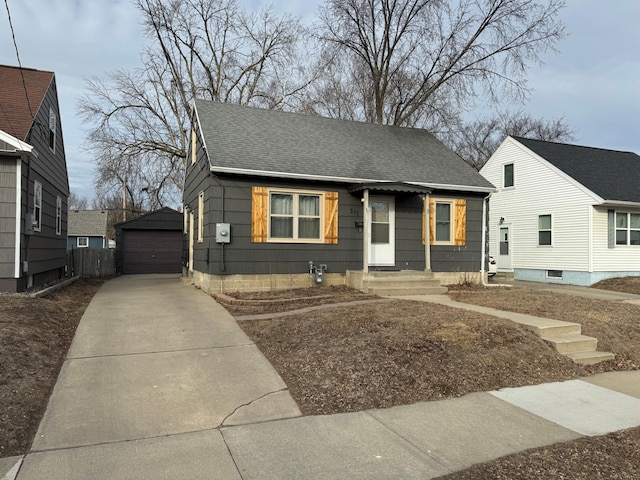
508 175
295 216
37 205
627 228
58 215
443 221
544 229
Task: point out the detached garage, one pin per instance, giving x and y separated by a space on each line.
151 243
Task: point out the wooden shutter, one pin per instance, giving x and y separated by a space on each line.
259 203
460 222
432 221
331 217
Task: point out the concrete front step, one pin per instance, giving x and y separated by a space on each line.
573 343
590 358
561 328
396 282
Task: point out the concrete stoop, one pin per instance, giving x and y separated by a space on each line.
393 283
567 339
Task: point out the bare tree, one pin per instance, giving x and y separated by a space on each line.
428 60
77 202
198 48
476 141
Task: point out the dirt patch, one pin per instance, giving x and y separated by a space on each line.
613 457
379 355
35 335
620 284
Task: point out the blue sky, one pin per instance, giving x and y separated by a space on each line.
592 81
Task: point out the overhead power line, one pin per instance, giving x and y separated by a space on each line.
15 44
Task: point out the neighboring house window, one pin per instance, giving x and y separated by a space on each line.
447 221
201 217
193 147
627 228
294 216
58 215
83 242
544 229
53 119
508 175
37 205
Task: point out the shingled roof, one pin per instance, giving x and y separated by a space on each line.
15 117
87 223
612 175
254 141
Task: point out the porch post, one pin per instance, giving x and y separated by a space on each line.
427 235
366 229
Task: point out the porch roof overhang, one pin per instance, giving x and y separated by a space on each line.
390 187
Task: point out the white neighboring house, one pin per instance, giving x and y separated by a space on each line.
564 213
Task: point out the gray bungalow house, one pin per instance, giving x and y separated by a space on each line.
277 200
33 180
87 229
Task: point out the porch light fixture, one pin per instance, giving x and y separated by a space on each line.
359 226
501 221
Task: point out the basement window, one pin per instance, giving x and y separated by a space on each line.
554 273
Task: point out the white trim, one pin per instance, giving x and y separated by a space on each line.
623 204
452 218
294 192
324 178
19 145
39 218
18 216
78 242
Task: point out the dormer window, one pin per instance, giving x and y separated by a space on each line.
508 175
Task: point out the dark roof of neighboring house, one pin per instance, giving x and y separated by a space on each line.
256 141
610 174
87 223
15 117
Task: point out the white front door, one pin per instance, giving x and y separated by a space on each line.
382 248
504 248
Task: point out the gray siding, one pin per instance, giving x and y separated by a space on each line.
228 199
45 251
7 216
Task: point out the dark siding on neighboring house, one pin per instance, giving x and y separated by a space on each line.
8 171
46 251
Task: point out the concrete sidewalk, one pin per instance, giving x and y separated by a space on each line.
160 382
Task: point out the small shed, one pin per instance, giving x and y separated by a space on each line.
151 243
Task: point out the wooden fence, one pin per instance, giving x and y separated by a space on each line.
91 262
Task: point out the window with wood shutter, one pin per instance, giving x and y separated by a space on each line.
296 216
447 221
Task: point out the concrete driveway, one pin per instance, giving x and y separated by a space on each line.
153 358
